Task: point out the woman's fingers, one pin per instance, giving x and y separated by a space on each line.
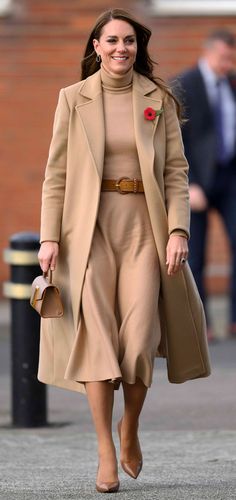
176 253
48 255
53 262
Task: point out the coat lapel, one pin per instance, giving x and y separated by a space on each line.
145 129
91 114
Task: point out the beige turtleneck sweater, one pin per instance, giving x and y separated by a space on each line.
121 158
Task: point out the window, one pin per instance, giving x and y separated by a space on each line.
193 7
6 7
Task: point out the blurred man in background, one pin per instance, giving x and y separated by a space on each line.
208 93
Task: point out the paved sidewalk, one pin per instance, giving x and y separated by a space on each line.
187 432
59 463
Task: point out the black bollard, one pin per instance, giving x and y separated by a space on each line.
29 405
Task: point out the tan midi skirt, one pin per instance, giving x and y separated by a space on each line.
119 331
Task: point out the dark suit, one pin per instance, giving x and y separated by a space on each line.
217 181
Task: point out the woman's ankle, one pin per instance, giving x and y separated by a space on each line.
107 465
106 449
129 425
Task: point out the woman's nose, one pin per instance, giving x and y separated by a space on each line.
121 47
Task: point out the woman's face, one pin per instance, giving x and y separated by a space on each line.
117 46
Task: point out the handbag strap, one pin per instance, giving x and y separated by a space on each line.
48 275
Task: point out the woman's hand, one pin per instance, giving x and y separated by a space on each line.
48 255
176 250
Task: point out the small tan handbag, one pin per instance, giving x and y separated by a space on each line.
45 297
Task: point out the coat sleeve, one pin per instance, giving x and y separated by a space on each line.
55 175
176 172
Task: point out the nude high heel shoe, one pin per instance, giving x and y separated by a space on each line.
107 487
133 466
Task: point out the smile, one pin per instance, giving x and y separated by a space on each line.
120 58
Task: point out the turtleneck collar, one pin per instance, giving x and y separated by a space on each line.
116 83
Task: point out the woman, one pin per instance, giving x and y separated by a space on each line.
118 245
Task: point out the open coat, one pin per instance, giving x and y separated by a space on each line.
70 201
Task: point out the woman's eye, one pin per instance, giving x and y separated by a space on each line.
128 41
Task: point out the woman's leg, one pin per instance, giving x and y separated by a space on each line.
131 455
134 397
101 397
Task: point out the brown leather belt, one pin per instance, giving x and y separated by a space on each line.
124 185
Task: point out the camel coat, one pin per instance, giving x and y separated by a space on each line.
70 201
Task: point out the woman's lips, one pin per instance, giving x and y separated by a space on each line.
119 58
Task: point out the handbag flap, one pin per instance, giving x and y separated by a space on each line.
38 287
51 305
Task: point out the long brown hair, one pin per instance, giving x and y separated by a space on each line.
143 64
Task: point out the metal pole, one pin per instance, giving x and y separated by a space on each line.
29 405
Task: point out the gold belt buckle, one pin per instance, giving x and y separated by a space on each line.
118 187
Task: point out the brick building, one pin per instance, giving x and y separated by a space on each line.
42 44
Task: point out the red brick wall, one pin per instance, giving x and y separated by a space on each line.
42 44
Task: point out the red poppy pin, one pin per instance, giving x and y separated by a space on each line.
150 113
